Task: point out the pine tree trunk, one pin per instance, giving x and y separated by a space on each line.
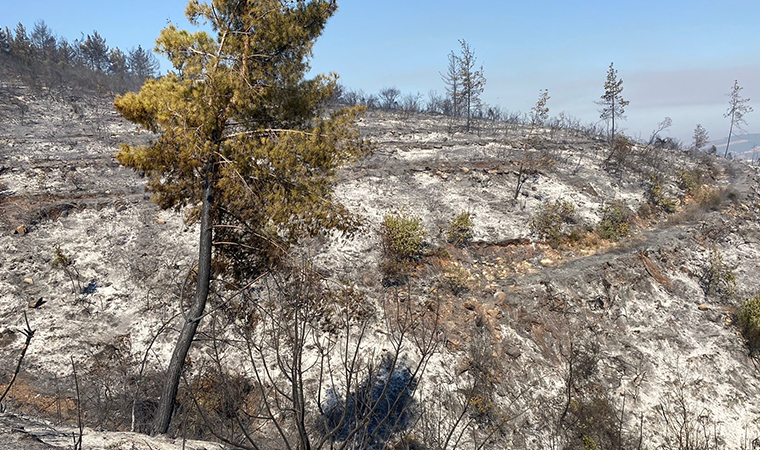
173 373
612 136
469 109
730 130
613 124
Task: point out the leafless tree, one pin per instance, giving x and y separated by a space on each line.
538 115
686 425
371 101
452 81
434 103
28 333
412 102
312 378
662 126
737 108
389 97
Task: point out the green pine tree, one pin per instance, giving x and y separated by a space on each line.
242 142
612 102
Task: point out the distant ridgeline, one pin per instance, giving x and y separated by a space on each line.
44 60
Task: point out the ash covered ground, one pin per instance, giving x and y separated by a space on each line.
638 304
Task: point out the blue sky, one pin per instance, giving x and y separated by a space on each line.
677 58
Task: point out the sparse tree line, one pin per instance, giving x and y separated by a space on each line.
464 82
613 110
482 116
87 62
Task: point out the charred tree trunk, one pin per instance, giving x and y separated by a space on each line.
730 131
193 318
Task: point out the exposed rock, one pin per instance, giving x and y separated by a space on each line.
33 304
496 314
512 350
470 305
703 307
20 230
28 281
463 366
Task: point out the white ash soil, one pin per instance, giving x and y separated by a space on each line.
651 330
27 433
638 299
61 183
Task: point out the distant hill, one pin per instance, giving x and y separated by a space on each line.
743 146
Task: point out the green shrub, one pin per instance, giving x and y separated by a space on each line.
657 200
717 278
402 237
708 199
456 278
690 180
460 229
646 210
550 224
749 321
66 263
615 223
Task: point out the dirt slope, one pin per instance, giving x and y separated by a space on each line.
638 301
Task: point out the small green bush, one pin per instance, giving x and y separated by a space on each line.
66 263
456 278
460 229
615 223
717 278
402 236
657 200
711 199
550 224
749 321
690 180
708 199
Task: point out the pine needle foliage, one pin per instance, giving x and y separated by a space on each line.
612 102
237 107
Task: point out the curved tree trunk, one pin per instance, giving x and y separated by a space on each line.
193 318
730 130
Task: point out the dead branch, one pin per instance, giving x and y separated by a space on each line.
28 333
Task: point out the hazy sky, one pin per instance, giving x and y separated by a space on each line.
677 58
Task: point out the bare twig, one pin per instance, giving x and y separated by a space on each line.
77 439
28 333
